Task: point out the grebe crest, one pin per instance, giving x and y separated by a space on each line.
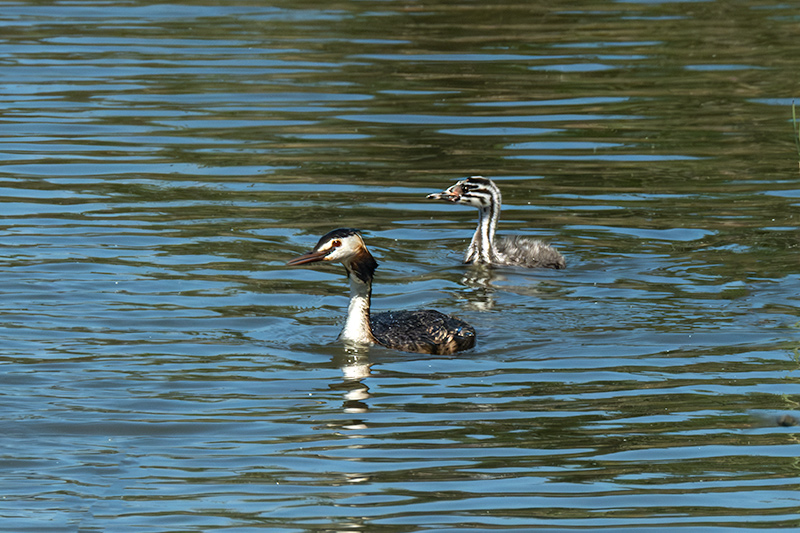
424 331
516 250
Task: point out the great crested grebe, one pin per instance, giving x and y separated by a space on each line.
482 193
423 331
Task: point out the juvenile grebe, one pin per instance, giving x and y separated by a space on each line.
424 331
482 193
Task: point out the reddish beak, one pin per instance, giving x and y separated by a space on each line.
450 194
310 257
447 196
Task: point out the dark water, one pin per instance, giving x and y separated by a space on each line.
162 370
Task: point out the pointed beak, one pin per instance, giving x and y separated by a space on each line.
310 257
447 195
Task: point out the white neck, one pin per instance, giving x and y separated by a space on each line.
481 248
356 328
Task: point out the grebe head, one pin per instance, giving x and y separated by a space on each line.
341 245
345 246
476 191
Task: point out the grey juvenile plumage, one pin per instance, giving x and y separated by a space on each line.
482 193
424 331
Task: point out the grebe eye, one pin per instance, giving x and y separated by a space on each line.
337 243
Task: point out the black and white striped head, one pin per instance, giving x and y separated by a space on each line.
345 246
476 191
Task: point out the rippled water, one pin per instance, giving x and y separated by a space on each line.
164 371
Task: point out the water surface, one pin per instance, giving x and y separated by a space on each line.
163 370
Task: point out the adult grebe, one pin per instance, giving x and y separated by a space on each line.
482 193
424 331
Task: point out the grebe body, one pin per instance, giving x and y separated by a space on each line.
424 331
483 194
